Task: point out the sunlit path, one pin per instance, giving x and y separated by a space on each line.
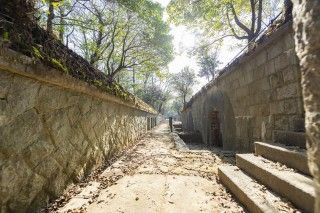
156 177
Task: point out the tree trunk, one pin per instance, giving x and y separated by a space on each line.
133 76
160 107
306 25
62 24
50 17
133 80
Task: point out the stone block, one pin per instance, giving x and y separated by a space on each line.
264 84
242 91
22 96
297 123
256 133
259 110
21 132
38 151
267 128
259 72
271 95
49 174
281 122
270 66
255 99
291 106
293 58
288 91
14 176
289 41
242 81
235 84
254 110
248 76
244 126
6 80
291 74
264 110
249 65
276 80
257 89
277 107
261 58
275 50
283 60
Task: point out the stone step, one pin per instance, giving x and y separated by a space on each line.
177 125
292 157
295 187
290 138
255 197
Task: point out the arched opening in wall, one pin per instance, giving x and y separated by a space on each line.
216 136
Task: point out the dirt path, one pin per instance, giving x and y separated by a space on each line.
155 176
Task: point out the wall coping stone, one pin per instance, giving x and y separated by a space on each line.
19 64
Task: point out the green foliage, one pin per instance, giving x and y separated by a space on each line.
97 83
36 53
153 95
208 63
114 37
183 82
57 64
209 17
5 36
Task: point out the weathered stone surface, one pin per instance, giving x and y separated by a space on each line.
51 136
255 197
294 186
283 60
288 91
275 50
307 29
292 157
290 74
264 87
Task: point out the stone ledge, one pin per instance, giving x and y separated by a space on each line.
19 64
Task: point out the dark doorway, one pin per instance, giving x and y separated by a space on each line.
216 138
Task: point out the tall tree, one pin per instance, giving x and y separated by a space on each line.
114 36
307 30
221 18
183 82
208 63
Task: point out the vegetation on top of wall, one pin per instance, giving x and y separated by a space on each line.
21 32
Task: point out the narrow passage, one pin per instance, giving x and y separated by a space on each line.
155 176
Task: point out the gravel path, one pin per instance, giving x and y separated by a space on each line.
154 176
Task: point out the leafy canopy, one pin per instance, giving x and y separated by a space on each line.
217 19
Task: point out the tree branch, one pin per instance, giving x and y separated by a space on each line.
253 15
259 18
233 30
238 22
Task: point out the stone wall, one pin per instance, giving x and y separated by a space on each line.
55 129
307 39
254 96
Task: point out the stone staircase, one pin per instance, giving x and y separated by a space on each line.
275 171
